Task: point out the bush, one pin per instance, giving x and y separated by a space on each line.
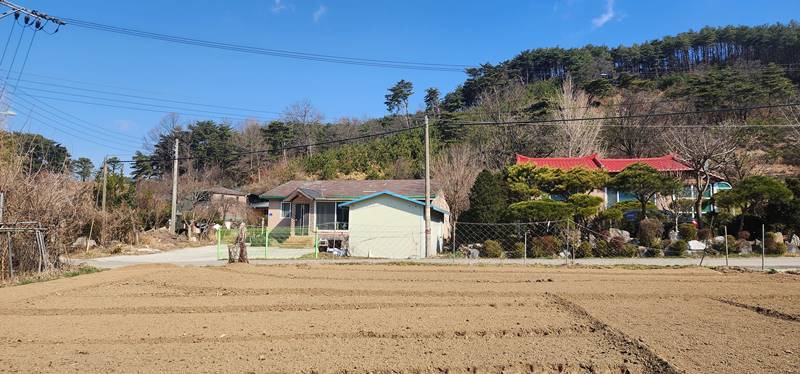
491 249
540 210
517 250
601 248
650 231
705 234
687 231
583 250
732 247
677 249
545 246
630 250
744 235
616 247
772 246
653 252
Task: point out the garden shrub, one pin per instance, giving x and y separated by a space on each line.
584 250
616 246
650 232
653 252
679 248
705 234
601 248
492 249
517 250
546 246
732 247
772 246
687 231
630 250
744 235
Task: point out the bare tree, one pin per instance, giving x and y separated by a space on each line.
506 103
305 117
249 138
706 150
636 133
455 171
168 124
575 136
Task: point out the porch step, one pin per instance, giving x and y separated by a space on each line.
297 242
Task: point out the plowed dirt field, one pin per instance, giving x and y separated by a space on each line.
395 318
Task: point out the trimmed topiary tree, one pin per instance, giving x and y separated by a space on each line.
687 231
650 232
678 248
491 249
517 250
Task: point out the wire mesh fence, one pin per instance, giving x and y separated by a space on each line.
512 240
266 243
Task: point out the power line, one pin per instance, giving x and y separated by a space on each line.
605 118
153 105
104 92
544 122
410 65
99 130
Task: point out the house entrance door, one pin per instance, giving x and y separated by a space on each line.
301 219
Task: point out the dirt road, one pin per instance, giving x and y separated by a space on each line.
413 318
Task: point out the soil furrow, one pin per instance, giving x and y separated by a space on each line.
761 310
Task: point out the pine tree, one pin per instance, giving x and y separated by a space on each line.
488 199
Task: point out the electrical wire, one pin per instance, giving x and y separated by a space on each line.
8 41
410 65
516 123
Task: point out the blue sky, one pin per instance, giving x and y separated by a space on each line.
453 32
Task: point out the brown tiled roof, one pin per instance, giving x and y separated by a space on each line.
352 188
224 191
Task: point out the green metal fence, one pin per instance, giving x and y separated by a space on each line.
266 243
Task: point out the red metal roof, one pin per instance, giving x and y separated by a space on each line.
563 163
663 163
612 165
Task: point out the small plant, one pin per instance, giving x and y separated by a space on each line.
678 248
687 231
491 249
583 250
732 247
517 250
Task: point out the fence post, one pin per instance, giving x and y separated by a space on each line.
525 249
10 256
316 245
266 238
455 224
219 243
763 245
726 246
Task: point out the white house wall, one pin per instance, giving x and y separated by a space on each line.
386 227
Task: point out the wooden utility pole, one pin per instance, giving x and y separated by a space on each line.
428 247
105 183
174 216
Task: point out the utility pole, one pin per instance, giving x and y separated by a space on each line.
105 183
428 246
174 217
2 205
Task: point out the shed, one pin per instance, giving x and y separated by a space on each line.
390 225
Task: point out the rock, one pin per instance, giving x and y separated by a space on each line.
719 239
146 250
745 247
81 243
474 253
612 233
792 248
193 239
696 245
673 235
778 237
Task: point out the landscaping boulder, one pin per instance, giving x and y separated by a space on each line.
696 245
719 239
673 235
81 243
617 233
795 240
745 247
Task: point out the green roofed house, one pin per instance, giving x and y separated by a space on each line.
371 218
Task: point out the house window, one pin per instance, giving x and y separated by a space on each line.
331 216
286 210
611 197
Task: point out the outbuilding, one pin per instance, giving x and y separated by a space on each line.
389 225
